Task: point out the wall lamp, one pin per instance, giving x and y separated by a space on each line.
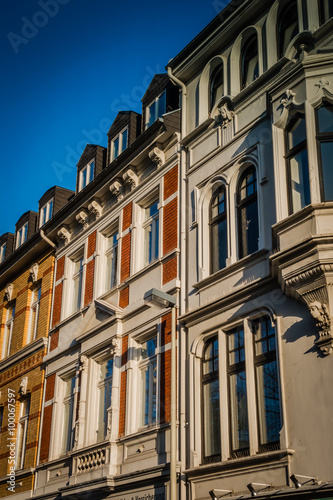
296 479
161 300
216 494
253 488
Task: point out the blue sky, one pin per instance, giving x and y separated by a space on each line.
68 67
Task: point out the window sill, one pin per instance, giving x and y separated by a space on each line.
274 457
27 350
232 268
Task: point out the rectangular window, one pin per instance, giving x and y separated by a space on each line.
67 436
34 313
104 398
45 213
77 283
22 428
325 149
87 174
156 109
148 380
8 332
151 232
111 254
21 235
119 144
2 252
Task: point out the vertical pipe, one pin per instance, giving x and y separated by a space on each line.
173 431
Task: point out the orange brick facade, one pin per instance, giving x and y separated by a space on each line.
169 270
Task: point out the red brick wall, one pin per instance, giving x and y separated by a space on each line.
170 182
124 297
60 268
169 270
125 257
47 420
89 290
91 244
170 226
57 304
165 388
49 392
122 411
127 216
54 340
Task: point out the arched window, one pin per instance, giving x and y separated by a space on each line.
325 10
325 147
216 85
287 27
249 62
218 229
297 164
211 402
247 213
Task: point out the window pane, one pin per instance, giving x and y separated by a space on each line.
300 185
288 27
124 140
50 209
219 245
84 177
152 113
250 67
115 148
211 360
268 403
325 119
326 149
148 348
161 105
297 133
212 419
239 420
91 171
216 85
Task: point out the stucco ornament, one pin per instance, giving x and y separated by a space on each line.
157 156
288 98
23 386
64 234
95 209
34 273
226 114
83 362
9 291
131 178
320 314
82 218
117 189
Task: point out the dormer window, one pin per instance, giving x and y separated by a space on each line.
119 143
156 109
45 213
87 174
21 235
2 252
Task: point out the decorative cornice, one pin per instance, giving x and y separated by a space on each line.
157 156
117 189
131 178
95 209
82 218
64 234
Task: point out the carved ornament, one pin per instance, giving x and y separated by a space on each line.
157 156
82 218
64 234
95 209
23 386
34 273
226 114
9 291
131 178
117 189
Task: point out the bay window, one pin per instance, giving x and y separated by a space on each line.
325 149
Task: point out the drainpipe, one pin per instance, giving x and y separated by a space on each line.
182 338
45 238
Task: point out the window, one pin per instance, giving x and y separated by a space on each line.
67 435
151 232
148 380
156 109
34 313
287 27
45 213
77 283
325 10
21 439
325 147
87 174
216 85
104 397
250 66
111 260
211 402
8 332
21 235
218 228
2 252
119 144
297 165
248 378
247 213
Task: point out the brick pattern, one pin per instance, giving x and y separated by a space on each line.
22 368
89 290
124 297
127 216
46 434
49 392
54 340
169 270
170 182
57 304
60 268
165 387
124 350
166 329
91 244
170 216
123 380
125 257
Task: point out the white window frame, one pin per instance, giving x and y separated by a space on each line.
224 389
121 145
75 298
151 224
21 435
8 332
3 252
105 383
111 282
45 212
67 434
21 235
89 170
34 314
157 113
